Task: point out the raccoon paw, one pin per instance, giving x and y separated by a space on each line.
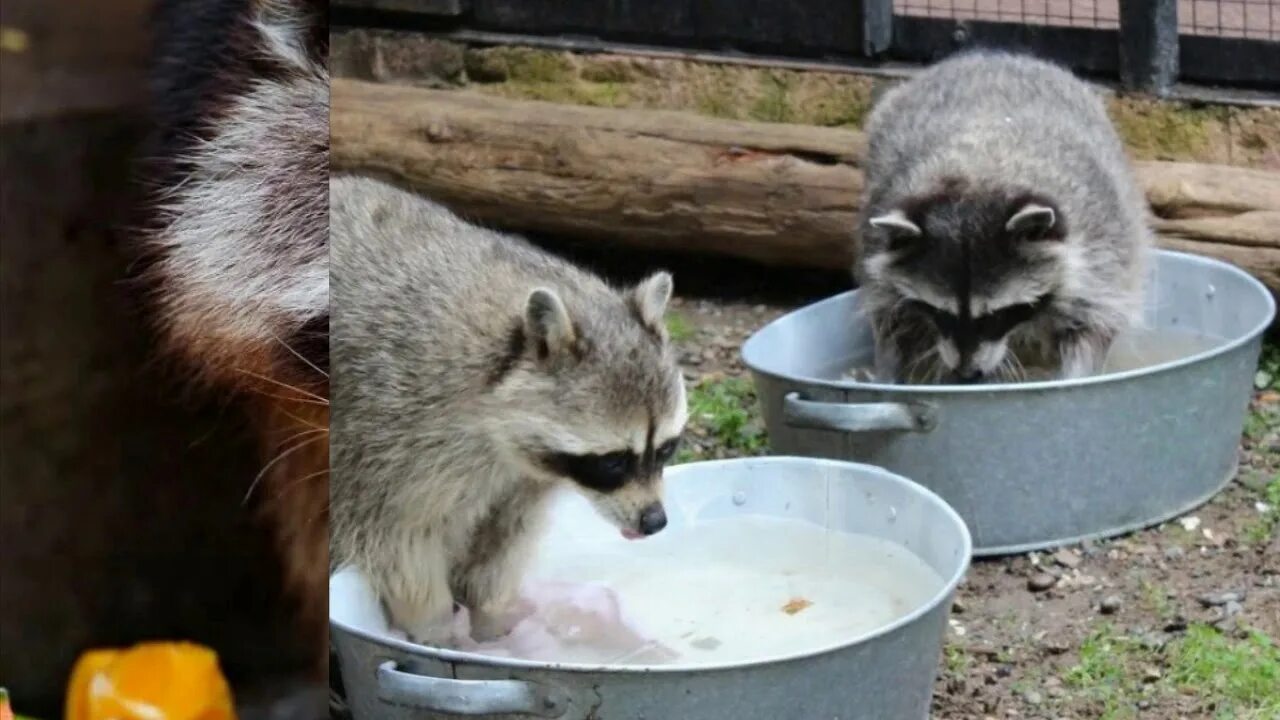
489 624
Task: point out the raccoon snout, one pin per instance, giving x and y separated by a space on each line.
968 377
653 519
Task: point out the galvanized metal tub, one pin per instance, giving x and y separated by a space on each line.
1034 465
887 674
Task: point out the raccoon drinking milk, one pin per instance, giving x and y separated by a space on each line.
473 374
1002 230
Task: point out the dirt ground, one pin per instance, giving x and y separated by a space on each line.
1178 621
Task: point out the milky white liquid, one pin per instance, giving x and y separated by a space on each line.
715 592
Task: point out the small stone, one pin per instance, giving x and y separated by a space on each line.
1232 608
1217 599
958 606
1110 605
1056 647
1174 553
1151 675
1041 582
1151 641
1144 704
1067 559
1089 548
1032 697
1189 523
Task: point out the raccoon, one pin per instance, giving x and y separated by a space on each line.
1002 231
473 375
233 243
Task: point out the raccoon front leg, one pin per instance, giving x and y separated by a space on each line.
414 586
502 547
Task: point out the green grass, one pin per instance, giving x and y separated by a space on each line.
1241 678
1268 377
1156 599
1259 532
679 328
1234 678
727 409
957 660
1105 673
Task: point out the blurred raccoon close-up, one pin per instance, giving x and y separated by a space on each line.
163 179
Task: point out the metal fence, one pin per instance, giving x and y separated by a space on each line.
1147 44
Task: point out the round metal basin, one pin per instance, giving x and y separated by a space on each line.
1034 465
886 673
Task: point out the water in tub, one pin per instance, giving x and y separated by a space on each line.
711 592
1131 351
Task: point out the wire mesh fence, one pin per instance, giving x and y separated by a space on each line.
1100 14
1252 19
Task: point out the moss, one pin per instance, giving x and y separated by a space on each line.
519 64
609 70
773 104
1151 129
842 102
574 93
734 92
1156 130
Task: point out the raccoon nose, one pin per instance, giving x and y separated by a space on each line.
653 519
969 377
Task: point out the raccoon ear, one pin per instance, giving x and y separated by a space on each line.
897 225
547 321
650 299
1033 222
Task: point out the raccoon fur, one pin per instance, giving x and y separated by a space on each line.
234 243
1002 229
474 374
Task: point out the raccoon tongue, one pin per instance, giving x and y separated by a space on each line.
630 534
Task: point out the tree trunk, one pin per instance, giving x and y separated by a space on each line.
774 193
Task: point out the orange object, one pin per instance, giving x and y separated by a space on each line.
6 712
149 681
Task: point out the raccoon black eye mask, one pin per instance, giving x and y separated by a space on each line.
606 472
991 326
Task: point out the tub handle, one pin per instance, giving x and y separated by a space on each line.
858 417
468 697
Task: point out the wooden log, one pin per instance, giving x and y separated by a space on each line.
774 193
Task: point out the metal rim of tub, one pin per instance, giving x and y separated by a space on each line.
948 588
